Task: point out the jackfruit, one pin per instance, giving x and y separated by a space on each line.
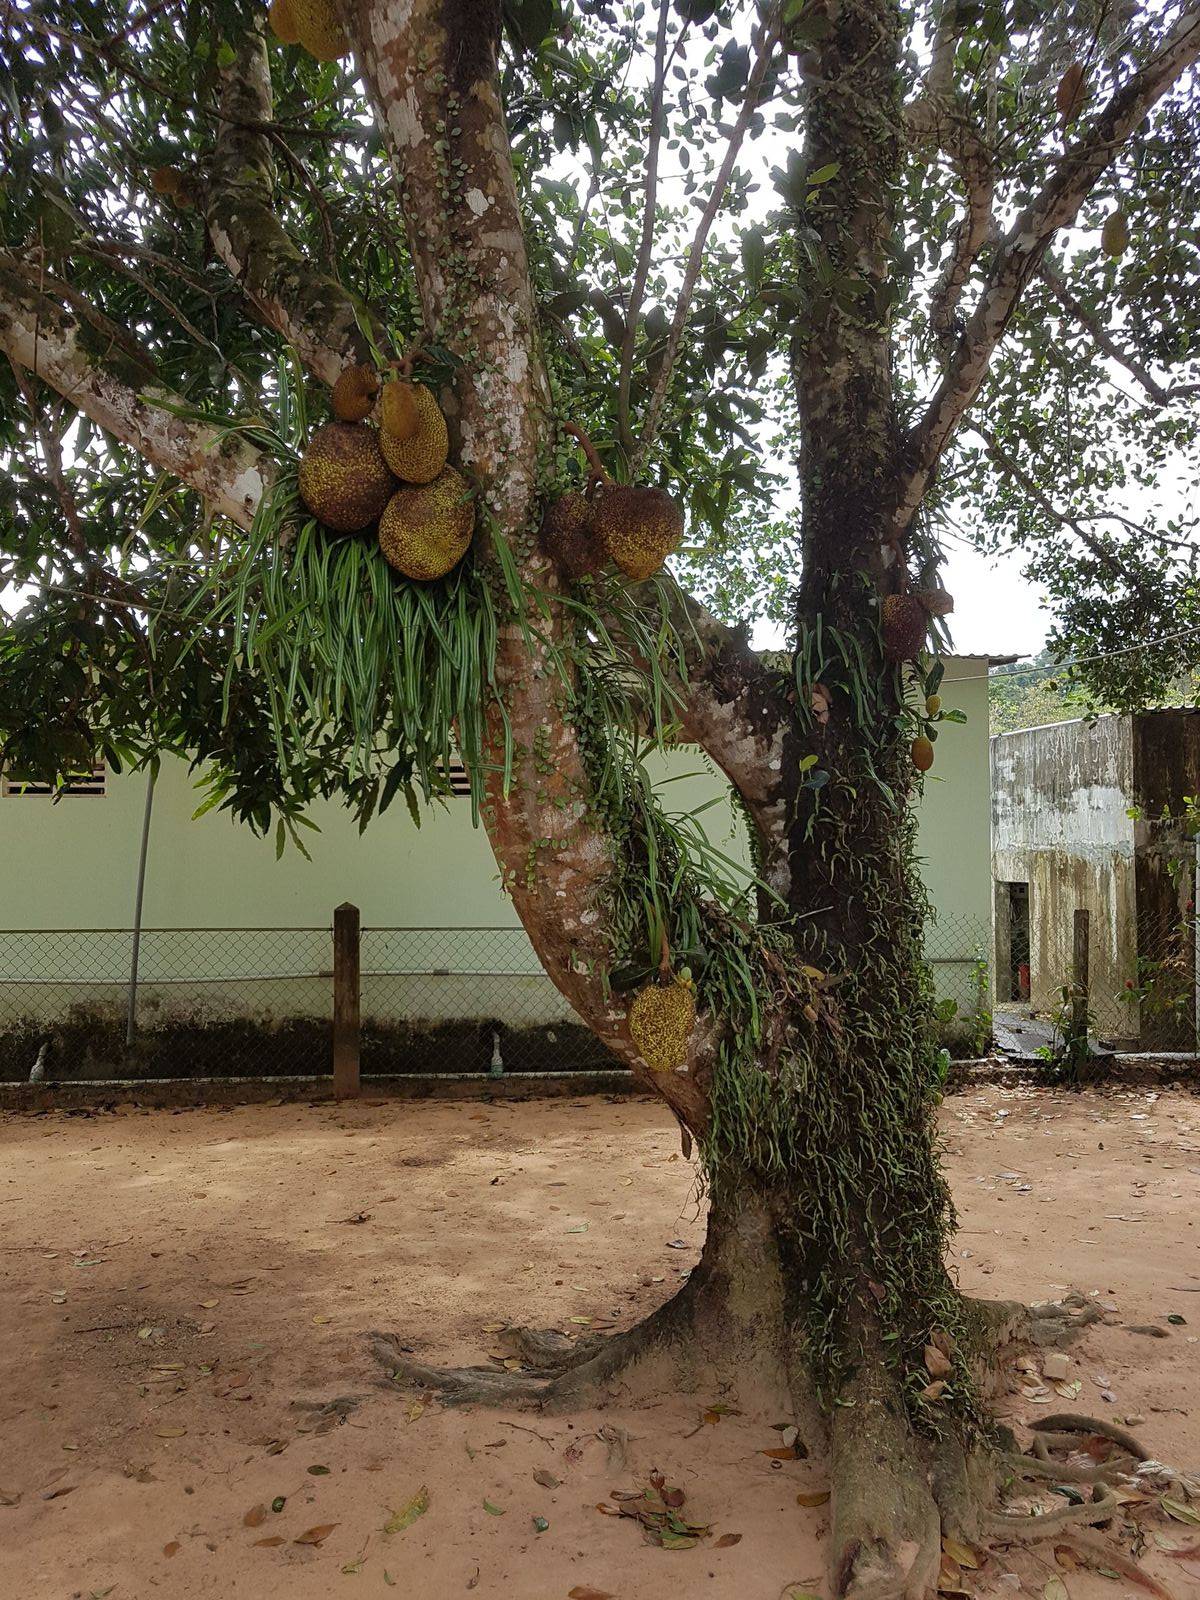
639 528
401 410
344 480
921 752
426 528
905 623
166 180
353 396
283 23
319 29
1114 236
661 1020
1069 95
568 538
420 457
938 602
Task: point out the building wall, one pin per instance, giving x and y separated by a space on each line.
1060 797
73 865
1060 801
1166 770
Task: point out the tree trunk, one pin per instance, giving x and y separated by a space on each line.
823 1273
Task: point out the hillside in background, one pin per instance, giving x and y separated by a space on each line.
1032 693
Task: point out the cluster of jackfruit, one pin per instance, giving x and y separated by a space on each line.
353 475
313 24
661 1019
634 527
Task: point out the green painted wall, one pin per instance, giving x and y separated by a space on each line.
73 864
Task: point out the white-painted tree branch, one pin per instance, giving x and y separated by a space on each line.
94 366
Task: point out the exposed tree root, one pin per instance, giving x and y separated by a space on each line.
725 1325
1103 1551
569 1375
894 1494
1061 1429
1031 1528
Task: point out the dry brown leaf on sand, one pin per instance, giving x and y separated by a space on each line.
316 1535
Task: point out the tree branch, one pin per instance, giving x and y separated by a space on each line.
973 161
766 41
95 367
308 307
645 249
732 706
1037 494
1022 251
1104 340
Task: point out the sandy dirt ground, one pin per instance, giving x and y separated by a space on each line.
184 1296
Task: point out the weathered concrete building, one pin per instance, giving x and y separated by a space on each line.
1101 816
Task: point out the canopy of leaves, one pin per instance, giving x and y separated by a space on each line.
1080 453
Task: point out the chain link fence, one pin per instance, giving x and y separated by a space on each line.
232 1002
257 1002
1142 988
958 950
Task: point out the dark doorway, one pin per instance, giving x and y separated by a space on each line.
1018 941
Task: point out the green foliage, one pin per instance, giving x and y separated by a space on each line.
1032 694
1067 1059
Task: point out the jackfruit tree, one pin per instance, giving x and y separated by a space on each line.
834 278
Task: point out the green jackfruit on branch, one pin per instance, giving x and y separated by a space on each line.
344 480
426 528
638 527
661 1020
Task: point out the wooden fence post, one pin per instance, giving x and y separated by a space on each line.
1079 973
346 990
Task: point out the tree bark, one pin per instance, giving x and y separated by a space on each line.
45 328
431 73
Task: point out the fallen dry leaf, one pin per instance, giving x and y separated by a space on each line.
937 1363
584 1591
173 1548
961 1554
726 1540
408 1512
316 1535
812 1497
173 1432
255 1517
275 1540
546 1479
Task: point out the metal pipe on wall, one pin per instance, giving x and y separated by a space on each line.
131 1010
